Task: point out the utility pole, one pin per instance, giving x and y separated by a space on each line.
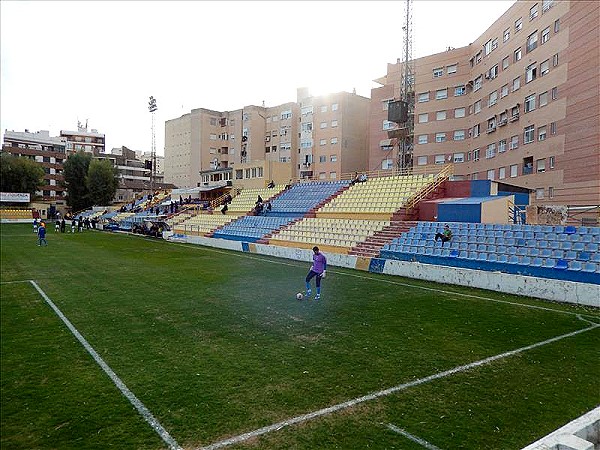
407 94
152 108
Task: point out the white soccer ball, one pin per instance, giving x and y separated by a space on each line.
299 296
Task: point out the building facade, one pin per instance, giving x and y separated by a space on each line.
310 136
83 140
521 104
48 151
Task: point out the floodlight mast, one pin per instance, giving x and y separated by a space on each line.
152 108
407 94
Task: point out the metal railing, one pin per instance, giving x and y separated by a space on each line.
422 193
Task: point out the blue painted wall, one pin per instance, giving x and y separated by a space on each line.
481 188
454 212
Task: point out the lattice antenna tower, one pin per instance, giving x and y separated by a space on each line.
407 90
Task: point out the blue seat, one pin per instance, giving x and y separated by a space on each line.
570 229
542 244
574 265
518 235
589 267
481 247
570 255
554 245
472 255
596 257
546 253
454 254
503 259
445 252
561 264
472 247
591 247
578 246
508 234
492 257
566 245
525 260
521 251
549 262
491 249
575 237
501 249
482 256
533 252
586 238
510 241
500 241
584 256
537 262
514 259
547 228
529 235
511 250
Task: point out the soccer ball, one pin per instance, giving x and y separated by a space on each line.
299 296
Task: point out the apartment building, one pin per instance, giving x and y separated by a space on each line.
310 136
83 140
48 151
520 104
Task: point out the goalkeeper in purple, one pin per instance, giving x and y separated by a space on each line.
316 270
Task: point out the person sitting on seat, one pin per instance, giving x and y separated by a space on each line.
271 185
445 236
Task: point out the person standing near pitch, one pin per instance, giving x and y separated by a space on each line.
316 270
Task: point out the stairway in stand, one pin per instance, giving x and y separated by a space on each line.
371 246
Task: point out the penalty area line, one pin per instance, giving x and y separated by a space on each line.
416 439
145 412
375 395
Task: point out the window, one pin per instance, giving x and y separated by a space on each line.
387 125
529 103
387 164
514 142
476 154
503 118
545 35
557 25
478 58
542 133
477 83
459 112
438 72
540 165
502 146
487 47
323 108
334 140
334 107
529 134
306 110
306 126
532 40
322 159
514 112
477 107
213 121
323 142
306 143
422 139
514 170
516 84
440 137
476 130
543 99
554 93
333 175
502 173
459 90
451 69
550 192
544 68
518 54
441 94
334 123
551 162
459 135
490 151
440 115
423 118
422 161
423 97
546 5
505 63
286 115
493 73
440 159
458 157
493 98
553 128
504 91
539 193
506 35
533 12
491 124
323 125
490 174
555 60
530 73
494 44
518 24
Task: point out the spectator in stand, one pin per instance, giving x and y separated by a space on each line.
445 236
224 209
362 178
259 200
271 185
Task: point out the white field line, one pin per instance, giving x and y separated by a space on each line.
396 283
146 414
416 439
386 392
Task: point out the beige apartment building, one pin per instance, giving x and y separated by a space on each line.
252 145
520 104
83 140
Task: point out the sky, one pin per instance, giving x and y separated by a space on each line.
99 62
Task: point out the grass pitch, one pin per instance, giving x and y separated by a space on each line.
214 344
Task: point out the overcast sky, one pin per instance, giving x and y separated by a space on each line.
100 61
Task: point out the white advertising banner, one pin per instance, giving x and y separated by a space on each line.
15 197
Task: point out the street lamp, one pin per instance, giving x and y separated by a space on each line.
152 108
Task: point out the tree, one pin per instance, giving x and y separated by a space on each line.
75 171
101 182
18 174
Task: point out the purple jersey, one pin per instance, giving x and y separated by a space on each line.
319 263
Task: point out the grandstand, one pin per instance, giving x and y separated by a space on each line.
16 214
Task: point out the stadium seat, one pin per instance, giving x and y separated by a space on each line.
570 230
561 264
492 257
537 262
589 267
503 259
575 265
549 262
514 259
